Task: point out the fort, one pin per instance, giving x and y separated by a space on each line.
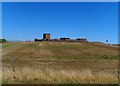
47 37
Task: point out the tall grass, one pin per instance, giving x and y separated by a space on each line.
51 76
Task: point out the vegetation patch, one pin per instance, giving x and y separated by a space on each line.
59 63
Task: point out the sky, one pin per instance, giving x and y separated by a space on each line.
0 20
60 0
96 21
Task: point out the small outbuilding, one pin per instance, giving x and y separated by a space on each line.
64 39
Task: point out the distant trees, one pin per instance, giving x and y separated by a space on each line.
2 40
106 40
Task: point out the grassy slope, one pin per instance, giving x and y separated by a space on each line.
60 59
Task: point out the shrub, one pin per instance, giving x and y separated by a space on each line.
2 40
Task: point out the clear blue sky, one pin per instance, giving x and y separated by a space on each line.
0 20
94 21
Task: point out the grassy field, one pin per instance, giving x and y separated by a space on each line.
59 63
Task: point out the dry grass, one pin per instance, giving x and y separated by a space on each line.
53 62
62 50
33 75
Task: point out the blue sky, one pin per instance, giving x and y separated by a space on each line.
0 20
94 21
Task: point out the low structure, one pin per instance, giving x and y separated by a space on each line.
37 40
64 39
46 37
81 39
